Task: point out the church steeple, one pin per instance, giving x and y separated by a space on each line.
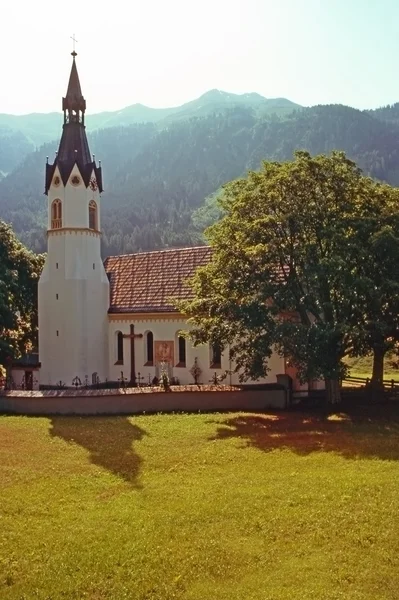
73 286
74 147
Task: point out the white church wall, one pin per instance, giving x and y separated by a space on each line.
167 329
73 304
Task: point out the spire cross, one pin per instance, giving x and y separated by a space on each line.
74 42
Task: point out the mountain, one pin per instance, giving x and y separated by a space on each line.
160 181
14 146
216 101
36 129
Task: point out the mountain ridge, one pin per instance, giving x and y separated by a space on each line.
36 129
157 178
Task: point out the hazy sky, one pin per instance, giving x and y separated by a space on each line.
166 52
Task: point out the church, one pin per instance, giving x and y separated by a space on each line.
112 320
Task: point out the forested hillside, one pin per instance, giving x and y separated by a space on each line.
388 113
156 178
14 146
29 132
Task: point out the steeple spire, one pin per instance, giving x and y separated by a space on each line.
74 147
74 105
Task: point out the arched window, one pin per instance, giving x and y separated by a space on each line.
56 214
181 345
149 348
216 356
119 347
92 215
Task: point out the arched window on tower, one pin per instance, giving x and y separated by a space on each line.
93 215
119 348
149 348
56 214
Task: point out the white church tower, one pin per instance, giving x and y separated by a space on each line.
73 287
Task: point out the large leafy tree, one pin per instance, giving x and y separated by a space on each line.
19 275
284 271
376 261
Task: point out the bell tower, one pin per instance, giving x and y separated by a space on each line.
73 287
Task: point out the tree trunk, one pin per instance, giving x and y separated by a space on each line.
377 378
333 391
378 367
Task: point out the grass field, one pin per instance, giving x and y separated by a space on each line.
362 367
200 507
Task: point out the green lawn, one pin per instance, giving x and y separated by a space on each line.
200 507
362 367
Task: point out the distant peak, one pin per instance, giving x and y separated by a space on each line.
214 93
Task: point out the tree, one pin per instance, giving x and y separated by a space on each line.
376 260
19 275
280 275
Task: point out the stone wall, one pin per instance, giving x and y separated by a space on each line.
130 402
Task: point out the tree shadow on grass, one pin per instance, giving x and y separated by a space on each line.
368 433
110 441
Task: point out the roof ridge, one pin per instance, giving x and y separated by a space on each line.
146 281
161 250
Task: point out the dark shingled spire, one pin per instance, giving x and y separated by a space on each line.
74 100
74 147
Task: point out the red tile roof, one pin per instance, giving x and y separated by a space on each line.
146 281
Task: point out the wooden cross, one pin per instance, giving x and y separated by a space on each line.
132 336
74 42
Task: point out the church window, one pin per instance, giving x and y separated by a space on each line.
216 356
56 265
57 333
119 347
56 296
92 215
181 344
149 348
56 214
75 180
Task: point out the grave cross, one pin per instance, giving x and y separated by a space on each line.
122 379
76 382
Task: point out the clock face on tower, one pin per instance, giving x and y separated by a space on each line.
93 184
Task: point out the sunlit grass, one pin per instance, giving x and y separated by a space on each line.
363 367
197 507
